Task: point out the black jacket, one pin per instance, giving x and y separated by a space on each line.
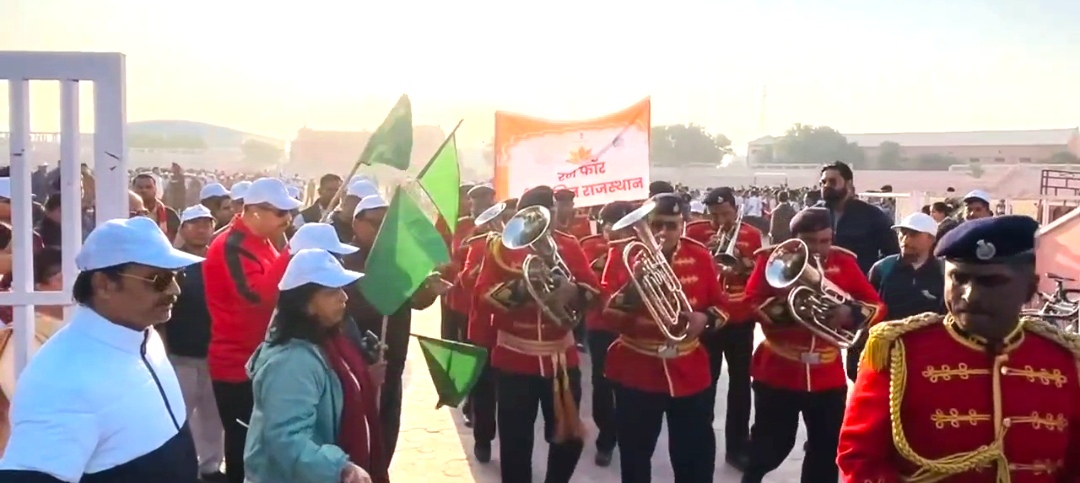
864 230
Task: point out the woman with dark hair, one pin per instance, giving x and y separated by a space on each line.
315 417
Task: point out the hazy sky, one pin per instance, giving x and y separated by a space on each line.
857 65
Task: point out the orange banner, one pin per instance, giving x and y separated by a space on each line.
601 160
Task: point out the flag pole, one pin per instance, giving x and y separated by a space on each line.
382 360
441 146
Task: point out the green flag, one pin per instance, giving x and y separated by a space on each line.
441 178
391 144
455 367
406 250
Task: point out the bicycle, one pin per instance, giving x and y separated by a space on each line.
1062 306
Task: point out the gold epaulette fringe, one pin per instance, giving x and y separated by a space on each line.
1049 331
882 335
495 248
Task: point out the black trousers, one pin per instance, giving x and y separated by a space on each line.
235 400
518 398
390 406
736 343
454 325
776 421
483 403
691 441
603 394
854 354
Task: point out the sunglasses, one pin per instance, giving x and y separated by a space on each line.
663 225
159 282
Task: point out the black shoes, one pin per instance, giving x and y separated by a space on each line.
603 458
482 451
736 460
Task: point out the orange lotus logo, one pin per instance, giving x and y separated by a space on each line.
580 156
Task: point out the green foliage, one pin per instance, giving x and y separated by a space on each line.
803 143
1063 157
889 156
259 152
678 144
162 141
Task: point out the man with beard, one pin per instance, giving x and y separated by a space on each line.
329 185
980 394
858 226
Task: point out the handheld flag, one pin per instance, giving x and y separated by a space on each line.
455 367
441 177
406 250
391 144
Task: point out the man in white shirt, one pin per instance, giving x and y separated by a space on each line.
100 401
752 206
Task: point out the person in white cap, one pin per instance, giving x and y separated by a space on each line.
977 205
215 197
697 210
100 401
241 272
239 189
320 236
329 185
316 416
342 220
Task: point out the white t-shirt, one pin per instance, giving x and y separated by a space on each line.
752 206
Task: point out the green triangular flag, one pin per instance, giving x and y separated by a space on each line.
454 366
391 144
441 179
406 250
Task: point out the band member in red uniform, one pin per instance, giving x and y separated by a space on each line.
574 221
454 317
654 376
796 371
600 335
735 340
978 395
534 357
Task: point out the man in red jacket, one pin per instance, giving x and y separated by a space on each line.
241 272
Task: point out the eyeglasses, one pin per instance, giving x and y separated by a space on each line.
159 282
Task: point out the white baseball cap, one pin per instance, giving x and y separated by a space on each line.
239 190
211 190
5 188
320 236
697 207
293 191
978 195
133 240
920 222
369 203
360 177
272 192
362 189
194 213
318 267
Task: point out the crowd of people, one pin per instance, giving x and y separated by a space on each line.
216 337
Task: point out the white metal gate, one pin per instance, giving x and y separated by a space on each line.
107 72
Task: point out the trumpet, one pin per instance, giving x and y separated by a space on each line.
724 254
658 287
813 295
491 218
542 270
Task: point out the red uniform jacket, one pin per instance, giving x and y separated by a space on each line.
747 243
480 330
791 357
581 225
596 250
926 392
519 322
632 360
457 298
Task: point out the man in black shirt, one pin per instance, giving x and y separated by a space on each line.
858 226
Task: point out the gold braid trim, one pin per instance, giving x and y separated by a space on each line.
495 247
1046 330
883 335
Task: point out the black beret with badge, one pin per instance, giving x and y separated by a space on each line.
996 239
669 205
537 196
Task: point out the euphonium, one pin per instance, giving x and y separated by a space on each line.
531 228
812 295
491 218
658 287
725 250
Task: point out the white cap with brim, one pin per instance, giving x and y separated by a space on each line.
977 195
194 213
212 190
293 191
270 191
920 222
239 190
319 236
362 189
318 267
369 203
134 240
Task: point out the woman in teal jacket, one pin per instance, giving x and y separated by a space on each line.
315 418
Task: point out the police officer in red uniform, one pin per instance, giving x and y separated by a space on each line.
599 335
534 357
980 394
796 371
735 340
656 377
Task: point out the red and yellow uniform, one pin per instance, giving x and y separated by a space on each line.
480 331
457 298
634 359
595 248
581 226
747 243
791 357
931 403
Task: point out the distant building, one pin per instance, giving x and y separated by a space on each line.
314 152
989 147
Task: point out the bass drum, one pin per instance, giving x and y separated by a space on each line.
44 327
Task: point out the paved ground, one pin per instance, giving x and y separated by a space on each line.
436 447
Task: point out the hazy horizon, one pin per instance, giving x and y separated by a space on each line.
870 66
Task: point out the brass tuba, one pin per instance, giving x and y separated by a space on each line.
658 287
724 254
531 228
813 295
492 215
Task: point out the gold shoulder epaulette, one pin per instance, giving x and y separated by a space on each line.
844 250
764 249
883 335
1046 330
